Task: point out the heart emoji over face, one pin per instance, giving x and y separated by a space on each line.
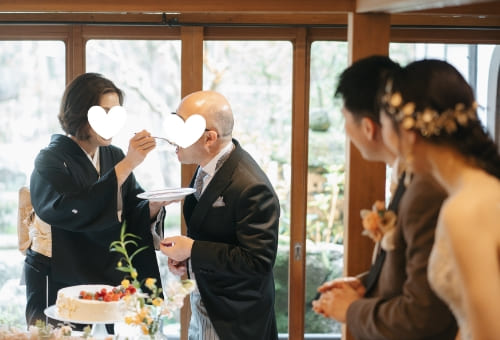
105 124
184 133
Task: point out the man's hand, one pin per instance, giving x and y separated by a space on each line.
354 282
177 248
176 267
334 302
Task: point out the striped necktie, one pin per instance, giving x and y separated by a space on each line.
198 183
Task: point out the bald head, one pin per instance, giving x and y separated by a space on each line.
214 107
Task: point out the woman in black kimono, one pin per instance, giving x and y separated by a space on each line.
85 189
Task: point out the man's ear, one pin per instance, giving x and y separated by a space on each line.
369 128
210 139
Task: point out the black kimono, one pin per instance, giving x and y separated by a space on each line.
81 207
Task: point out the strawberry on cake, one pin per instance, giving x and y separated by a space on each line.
92 303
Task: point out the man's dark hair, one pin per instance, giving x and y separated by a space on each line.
360 85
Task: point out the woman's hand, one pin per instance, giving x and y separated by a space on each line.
139 146
155 206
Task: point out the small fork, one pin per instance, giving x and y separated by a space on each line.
166 140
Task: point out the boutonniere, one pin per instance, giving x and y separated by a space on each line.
380 225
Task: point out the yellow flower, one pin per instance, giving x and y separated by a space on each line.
144 329
134 274
157 301
119 264
150 283
129 320
143 313
125 283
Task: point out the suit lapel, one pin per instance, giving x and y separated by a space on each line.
195 211
376 267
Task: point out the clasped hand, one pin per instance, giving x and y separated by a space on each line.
336 297
178 250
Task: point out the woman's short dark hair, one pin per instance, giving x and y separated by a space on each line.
80 95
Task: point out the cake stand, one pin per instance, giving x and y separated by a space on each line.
98 327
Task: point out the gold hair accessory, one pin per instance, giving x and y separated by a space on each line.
429 122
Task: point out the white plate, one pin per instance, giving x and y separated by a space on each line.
51 312
169 194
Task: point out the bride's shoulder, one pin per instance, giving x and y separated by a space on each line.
472 208
458 207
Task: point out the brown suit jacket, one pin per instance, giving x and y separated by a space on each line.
401 305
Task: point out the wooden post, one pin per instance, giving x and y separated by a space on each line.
368 34
298 200
191 81
75 53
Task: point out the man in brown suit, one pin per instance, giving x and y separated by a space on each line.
394 300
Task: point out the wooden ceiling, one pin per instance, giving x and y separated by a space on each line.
298 12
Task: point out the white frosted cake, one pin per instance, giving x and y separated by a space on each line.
89 303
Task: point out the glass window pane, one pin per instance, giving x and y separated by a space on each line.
473 62
148 71
32 80
326 170
255 77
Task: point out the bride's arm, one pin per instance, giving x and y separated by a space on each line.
474 237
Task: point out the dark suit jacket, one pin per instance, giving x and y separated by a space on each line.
235 248
81 207
402 306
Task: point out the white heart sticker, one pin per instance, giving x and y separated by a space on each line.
107 125
183 133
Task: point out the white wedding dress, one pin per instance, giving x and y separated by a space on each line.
444 280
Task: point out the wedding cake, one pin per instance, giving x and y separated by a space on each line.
92 303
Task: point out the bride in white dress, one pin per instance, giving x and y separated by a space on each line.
429 119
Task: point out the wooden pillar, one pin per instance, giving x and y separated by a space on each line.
368 34
191 76
191 81
298 200
75 53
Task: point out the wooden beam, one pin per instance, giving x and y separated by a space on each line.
445 36
75 54
191 81
479 9
298 196
487 15
178 6
152 19
368 34
398 6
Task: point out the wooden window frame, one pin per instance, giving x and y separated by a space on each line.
192 37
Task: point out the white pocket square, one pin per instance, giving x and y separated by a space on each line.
219 202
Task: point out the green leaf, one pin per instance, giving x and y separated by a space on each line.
120 249
137 252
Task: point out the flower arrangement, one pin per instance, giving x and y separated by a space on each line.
147 309
42 331
380 225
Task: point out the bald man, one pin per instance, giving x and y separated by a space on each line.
232 231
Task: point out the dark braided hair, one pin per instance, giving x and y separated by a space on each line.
438 86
